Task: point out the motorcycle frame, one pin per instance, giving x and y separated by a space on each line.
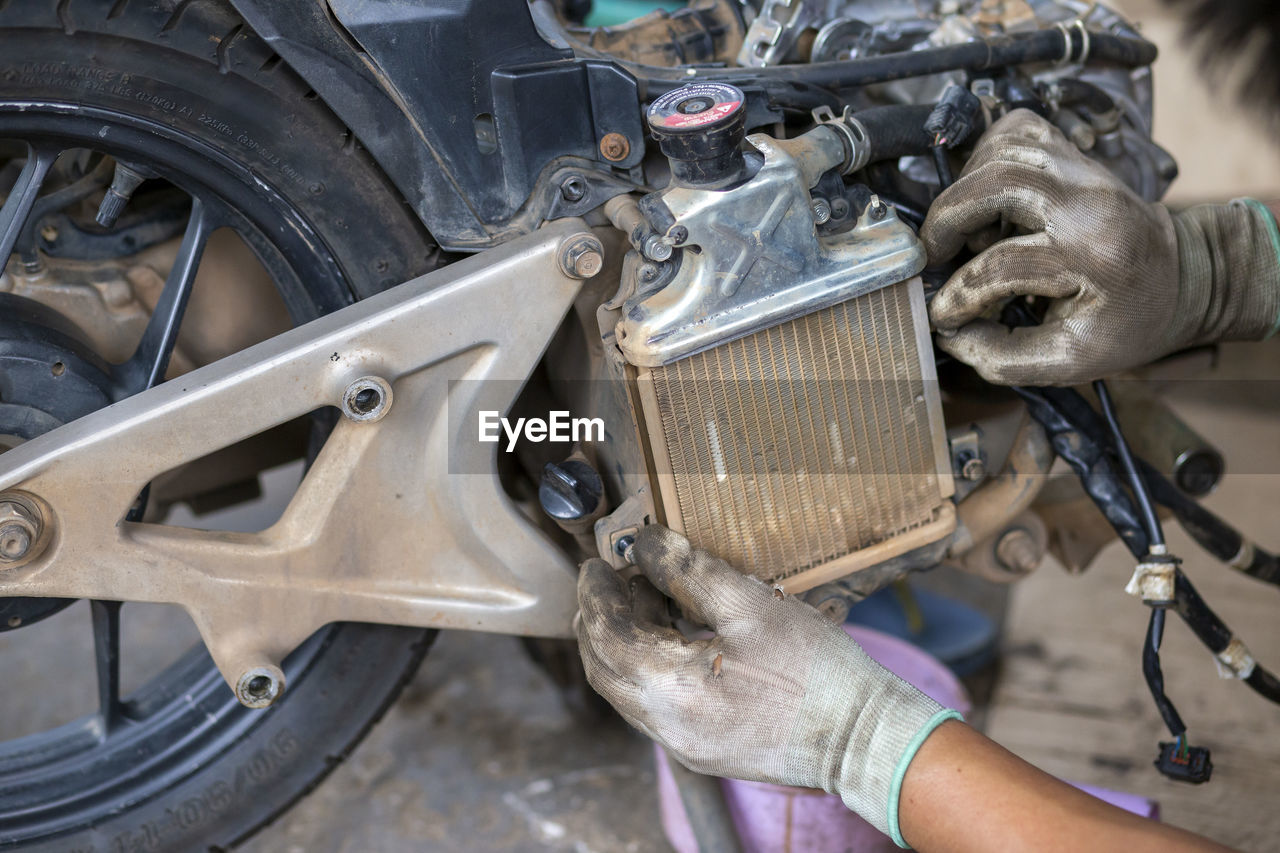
452 100
400 519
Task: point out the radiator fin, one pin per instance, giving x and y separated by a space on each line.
802 443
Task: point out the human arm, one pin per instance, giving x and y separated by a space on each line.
1127 281
964 792
782 695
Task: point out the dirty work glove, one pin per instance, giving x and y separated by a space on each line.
1129 281
779 694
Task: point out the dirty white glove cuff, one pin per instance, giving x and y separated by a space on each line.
886 733
1228 272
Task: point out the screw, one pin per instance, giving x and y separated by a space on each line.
1018 552
973 469
877 208
656 249
839 208
582 256
19 530
614 147
821 211
678 235
574 188
648 272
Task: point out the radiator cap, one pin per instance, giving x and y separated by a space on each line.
701 128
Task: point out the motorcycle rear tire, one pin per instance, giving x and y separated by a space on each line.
197 69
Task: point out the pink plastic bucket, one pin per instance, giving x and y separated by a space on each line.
778 818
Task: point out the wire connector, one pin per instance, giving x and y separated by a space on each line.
1184 763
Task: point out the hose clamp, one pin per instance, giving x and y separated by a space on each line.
857 143
1068 54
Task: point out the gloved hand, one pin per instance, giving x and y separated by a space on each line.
1130 282
779 695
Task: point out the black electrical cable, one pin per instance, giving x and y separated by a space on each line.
1155 534
1078 434
943 166
1155 677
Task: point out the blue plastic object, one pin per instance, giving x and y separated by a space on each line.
954 633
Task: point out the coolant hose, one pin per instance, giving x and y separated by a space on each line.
1066 45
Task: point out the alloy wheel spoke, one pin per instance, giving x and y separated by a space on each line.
17 205
150 360
106 648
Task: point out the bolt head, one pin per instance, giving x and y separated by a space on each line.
15 542
20 527
973 469
1018 551
614 147
574 188
582 256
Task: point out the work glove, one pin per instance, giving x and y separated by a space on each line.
1129 282
780 694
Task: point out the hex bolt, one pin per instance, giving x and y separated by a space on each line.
573 188
614 147
657 249
260 686
973 469
877 208
19 530
625 547
821 211
582 256
1018 552
367 400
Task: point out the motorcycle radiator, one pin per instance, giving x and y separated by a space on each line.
784 374
809 450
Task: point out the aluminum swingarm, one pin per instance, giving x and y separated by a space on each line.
401 518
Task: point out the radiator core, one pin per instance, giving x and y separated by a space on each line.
808 450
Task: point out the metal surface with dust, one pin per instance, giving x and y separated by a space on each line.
400 520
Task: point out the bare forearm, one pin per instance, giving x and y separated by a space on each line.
964 792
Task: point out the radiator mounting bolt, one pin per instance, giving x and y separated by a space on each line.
974 469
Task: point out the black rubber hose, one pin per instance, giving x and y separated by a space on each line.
896 131
1050 45
1154 676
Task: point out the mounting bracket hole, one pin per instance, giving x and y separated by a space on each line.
367 399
